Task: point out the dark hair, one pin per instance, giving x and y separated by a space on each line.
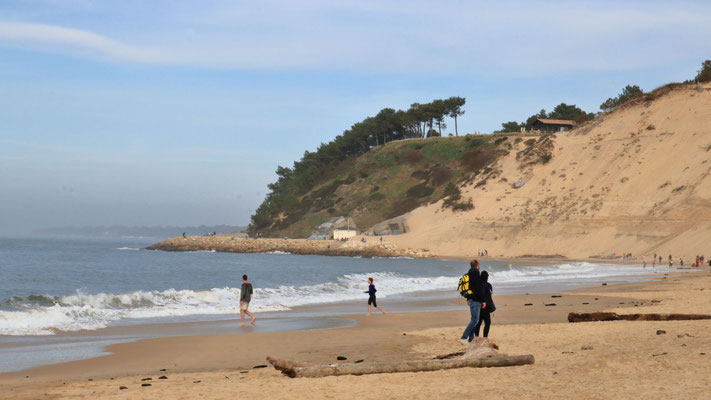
484 276
371 280
474 263
244 277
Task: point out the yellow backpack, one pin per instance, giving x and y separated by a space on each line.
463 287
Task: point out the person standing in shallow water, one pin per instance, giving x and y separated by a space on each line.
371 297
245 296
475 301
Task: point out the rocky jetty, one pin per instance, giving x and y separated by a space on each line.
231 244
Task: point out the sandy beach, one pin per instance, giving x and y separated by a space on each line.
595 360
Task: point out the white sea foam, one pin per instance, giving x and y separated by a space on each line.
94 311
127 248
579 271
44 315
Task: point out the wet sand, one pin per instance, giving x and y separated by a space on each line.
621 354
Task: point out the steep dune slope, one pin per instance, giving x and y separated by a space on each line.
634 181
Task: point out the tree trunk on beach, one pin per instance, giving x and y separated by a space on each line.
610 316
315 371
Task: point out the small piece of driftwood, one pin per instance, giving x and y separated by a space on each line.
610 316
482 354
285 365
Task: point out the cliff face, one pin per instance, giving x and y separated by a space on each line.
635 180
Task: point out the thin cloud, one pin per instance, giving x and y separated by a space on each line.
414 37
60 39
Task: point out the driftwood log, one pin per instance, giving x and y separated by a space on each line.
610 316
281 364
481 354
407 366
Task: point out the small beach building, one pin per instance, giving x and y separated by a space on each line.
552 125
340 234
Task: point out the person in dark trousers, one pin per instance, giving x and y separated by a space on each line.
475 301
485 316
371 297
245 296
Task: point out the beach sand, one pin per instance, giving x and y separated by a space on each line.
600 360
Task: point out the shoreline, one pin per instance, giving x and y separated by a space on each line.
178 354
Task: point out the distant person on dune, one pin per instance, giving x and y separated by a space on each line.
245 296
371 297
485 315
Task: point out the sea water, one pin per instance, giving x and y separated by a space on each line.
52 286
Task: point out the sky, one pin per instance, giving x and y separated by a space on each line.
178 112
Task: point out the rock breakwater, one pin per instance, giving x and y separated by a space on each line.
230 244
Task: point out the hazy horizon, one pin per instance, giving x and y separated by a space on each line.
178 113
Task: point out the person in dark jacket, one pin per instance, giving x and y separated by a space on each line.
371 296
485 316
245 296
475 301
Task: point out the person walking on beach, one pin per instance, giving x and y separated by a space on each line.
371 297
245 296
474 294
485 316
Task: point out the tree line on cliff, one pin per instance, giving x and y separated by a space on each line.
573 113
418 121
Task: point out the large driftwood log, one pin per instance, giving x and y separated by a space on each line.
610 316
480 354
299 370
407 366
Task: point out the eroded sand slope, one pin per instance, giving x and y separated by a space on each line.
635 180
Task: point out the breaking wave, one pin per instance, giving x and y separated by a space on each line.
44 315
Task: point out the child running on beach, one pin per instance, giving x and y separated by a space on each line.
245 296
371 296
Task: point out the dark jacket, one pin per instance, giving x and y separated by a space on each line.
245 292
476 285
488 291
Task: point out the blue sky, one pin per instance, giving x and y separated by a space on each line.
178 112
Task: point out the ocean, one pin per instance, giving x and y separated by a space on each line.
74 288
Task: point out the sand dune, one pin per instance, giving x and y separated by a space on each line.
636 180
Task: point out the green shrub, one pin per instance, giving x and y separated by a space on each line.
413 156
704 74
376 196
451 191
462 205
419 191
420 174
440 175
500 140
476 142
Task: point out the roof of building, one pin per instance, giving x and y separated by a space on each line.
556 121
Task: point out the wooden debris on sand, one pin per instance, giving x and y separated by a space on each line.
610 316
480 354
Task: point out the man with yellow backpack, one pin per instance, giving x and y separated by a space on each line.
471 288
